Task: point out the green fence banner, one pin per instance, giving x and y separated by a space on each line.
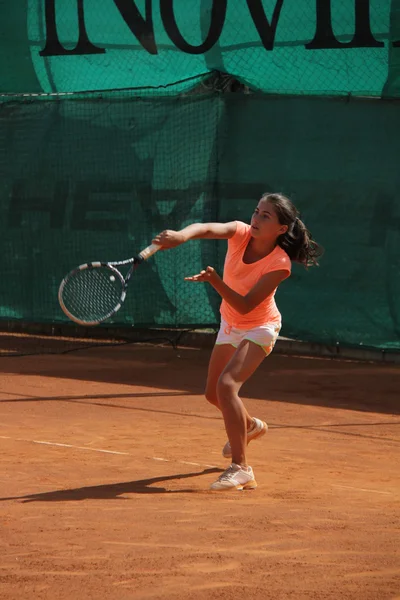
95 179
276 46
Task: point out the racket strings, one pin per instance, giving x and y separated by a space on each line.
92 294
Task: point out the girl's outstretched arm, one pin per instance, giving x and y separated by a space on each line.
211 231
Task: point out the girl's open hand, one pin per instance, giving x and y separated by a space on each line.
208 274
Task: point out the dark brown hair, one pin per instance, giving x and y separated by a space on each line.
297 241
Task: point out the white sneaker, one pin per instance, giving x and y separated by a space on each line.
235 477
258 429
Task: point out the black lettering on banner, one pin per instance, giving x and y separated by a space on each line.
141 28
265 30
325 38
53 45
218 14
54 205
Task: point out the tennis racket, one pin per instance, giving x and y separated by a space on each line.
94 292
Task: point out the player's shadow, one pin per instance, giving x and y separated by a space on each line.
112 491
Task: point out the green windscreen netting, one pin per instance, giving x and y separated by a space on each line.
115 124
283 46
95 179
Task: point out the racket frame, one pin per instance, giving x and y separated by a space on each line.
111 266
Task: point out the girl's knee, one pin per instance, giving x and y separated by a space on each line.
226 387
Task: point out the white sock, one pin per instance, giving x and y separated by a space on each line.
244 468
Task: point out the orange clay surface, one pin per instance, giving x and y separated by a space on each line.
106 459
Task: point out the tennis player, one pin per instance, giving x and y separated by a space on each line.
258 259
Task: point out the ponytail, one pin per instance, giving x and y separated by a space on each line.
297 241
299 245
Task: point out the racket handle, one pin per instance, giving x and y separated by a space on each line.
149 251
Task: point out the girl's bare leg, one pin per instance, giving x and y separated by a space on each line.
220 357
242 364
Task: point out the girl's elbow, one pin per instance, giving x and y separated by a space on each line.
248 307
245 309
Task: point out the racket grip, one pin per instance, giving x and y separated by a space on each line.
149 251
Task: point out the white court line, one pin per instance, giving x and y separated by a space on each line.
182 462
77 447
350 487
3 437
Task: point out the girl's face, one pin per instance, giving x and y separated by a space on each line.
265 223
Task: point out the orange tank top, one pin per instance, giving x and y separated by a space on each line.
242 277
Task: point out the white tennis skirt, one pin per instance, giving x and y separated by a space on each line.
263 335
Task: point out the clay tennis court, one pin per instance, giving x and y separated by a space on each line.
106 458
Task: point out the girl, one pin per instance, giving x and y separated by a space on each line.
258 259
